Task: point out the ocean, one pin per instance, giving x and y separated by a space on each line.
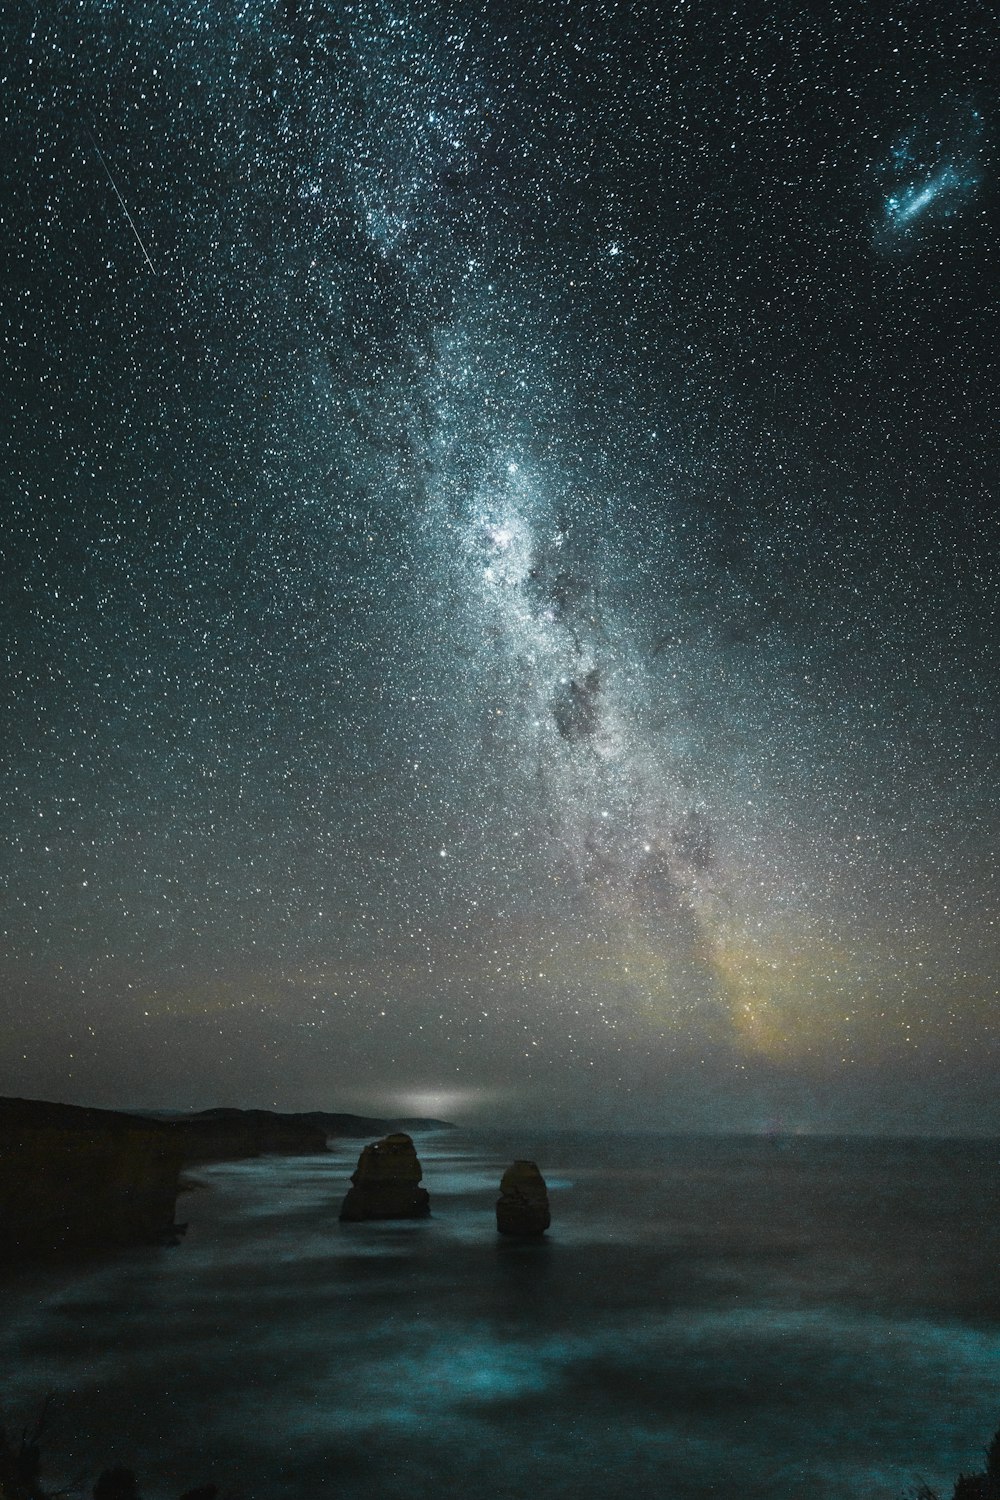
760 1317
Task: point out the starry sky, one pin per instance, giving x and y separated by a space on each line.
500 560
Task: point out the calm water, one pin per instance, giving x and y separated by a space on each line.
707 1317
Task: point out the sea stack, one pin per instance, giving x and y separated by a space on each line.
387 1183
523 1204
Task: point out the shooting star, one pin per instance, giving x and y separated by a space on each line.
121 200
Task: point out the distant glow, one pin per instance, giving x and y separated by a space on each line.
443 1103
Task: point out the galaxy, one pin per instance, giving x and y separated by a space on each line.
932 172
500 561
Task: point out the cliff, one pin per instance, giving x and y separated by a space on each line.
77 1178
74 1178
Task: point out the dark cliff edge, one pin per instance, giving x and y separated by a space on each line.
73 1178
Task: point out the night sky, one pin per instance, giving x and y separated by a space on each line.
500 560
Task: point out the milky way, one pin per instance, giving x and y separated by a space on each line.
502 561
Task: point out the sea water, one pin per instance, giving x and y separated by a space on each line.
784 1317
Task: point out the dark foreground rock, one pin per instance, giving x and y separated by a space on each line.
73 1178
523 1204
80 1179
77 1178
387 1183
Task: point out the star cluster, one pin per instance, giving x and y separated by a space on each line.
501 559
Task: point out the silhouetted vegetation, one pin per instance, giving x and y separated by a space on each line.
983 1486
21 1463
121 1484
20 1470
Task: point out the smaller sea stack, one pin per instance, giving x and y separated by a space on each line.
523 1204
387 1183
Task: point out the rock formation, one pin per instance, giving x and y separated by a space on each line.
77 1178
80 1179
387 1183
73 1178
523 1204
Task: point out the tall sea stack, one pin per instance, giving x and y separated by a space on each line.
523 1204
387 1183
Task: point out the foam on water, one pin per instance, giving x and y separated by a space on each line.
818 1320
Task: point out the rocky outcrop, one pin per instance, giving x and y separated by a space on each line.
523 1204
77 1178
387 1183
80 1179
74 1178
